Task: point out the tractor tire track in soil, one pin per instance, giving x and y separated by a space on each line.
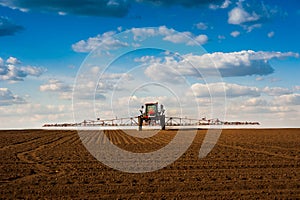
28 156
260 151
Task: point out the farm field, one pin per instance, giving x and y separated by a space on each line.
244 164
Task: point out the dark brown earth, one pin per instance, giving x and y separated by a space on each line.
244 164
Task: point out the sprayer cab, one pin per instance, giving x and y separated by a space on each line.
151 113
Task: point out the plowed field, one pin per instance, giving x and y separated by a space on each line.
244 164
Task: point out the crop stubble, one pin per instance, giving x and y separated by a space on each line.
246 163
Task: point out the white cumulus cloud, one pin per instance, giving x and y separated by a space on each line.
224 5
250 15
289 99
8 98
10 70
276 91
12 60
202 39
106 40
201 26
235 33
217 89
271 34
113 81
254 102
243 63
239 16
169 34
55 85
62 89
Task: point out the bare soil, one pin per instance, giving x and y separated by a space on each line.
244 164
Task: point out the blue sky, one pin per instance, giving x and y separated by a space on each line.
45 45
